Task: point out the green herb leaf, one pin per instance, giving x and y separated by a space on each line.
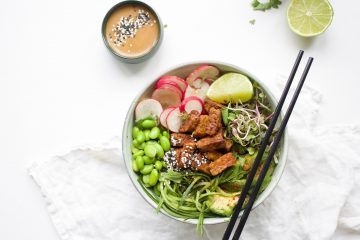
265 6
252 21
225 115
251 150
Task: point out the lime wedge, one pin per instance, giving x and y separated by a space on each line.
309 18
231 87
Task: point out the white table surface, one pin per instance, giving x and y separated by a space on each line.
60 87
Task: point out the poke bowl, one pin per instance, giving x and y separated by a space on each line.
191 135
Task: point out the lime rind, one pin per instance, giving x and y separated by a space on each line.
309 18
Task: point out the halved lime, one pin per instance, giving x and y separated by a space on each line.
309 17
231 87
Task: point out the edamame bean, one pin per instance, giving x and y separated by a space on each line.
148 124
139 162
158 165
138 153
147 133
135 143
164 164
158 187
159 150
135 131
142 145
150 150
134 166
146 178
134 149
165 134
140 137
147 169
156 191
148 160
154 177
165 143
154 133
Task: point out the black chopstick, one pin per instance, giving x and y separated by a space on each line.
272 152
261 151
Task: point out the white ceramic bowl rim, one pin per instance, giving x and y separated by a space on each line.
126 141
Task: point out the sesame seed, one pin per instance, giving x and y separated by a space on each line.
127 26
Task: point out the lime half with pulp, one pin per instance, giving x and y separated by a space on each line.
231 87
309 18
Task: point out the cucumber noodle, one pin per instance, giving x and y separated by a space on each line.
184 194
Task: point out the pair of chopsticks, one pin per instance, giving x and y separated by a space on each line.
261 151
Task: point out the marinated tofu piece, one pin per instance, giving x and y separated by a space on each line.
200 130
180 164
170 158
190 123
214 123
189 147
210 144
210 104
178 139
198 159
204 168
228 145
220 134
213 155
222 163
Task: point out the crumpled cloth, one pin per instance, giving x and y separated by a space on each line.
89 195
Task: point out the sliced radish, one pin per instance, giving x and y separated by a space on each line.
200 92
192 103
179 81
167 82
209 81
202 72
164 115
173 120
197 83
167 97
172 88
148 108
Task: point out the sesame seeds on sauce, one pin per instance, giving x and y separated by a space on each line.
132 30
170 159
128 26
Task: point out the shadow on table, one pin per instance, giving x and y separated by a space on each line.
130 69
303 42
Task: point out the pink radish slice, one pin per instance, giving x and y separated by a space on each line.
167 97
200 92
164 115
209 81
172 88
179 81
148 108
197 83
192 103
164 81
173 120
203 72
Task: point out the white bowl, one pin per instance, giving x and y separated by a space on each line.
182 71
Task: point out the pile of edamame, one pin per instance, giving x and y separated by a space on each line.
148 148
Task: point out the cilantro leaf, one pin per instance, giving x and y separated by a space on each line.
265 6
252 21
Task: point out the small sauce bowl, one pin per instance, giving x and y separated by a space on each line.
132 31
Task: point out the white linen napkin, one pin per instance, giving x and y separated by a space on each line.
90 196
